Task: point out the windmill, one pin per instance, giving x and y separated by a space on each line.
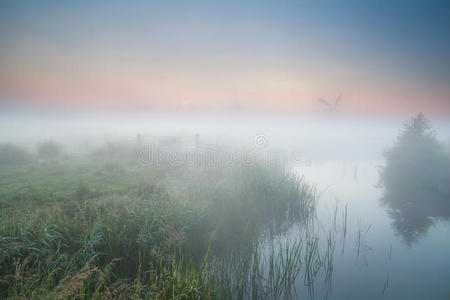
331 106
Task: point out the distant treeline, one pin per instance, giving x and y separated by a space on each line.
11 154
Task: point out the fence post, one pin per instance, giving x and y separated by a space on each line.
197 142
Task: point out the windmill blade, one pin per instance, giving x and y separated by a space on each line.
338 99
324 102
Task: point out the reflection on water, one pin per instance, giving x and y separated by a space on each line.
414 212
357 246
371 260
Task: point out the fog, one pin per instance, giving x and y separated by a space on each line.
320 136
352 198
225 150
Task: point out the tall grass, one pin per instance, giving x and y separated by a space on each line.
246 204
264 272
157 241
120 238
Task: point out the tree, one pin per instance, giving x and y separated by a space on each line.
49 150
13 155
416 159
416 168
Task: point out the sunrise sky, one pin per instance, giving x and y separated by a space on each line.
384 56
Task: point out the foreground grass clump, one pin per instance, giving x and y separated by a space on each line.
100 246
156 241
246 203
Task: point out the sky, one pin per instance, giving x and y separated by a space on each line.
385 57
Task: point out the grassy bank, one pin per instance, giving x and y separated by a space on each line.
103 230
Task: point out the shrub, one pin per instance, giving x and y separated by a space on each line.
49 150
416 179
13 155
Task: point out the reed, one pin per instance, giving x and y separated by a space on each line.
157 240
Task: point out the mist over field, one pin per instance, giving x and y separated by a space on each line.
319 136
328 189
225 150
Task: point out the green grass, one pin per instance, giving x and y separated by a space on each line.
61 182
106 230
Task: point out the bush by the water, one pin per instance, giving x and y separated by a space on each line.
416 178
417 160
13 155
49 150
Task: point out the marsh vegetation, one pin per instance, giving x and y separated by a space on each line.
101 228
107 222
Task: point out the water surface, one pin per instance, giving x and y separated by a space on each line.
377 259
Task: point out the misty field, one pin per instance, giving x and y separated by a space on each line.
113 222
101 228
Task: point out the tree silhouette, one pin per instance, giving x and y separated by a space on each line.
416 177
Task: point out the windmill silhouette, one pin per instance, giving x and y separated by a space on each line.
331 106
